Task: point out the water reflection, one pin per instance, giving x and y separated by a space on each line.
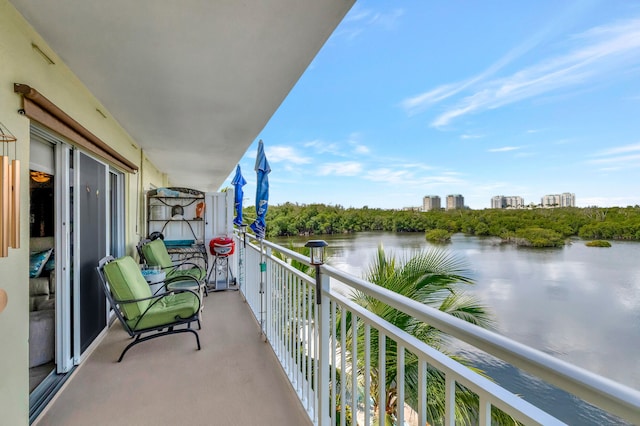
578 303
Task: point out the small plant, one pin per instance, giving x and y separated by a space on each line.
535 237
598 243
438 236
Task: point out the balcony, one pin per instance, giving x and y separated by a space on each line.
238 379
233 379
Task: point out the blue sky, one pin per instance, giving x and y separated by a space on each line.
415 98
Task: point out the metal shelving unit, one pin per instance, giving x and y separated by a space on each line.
178 214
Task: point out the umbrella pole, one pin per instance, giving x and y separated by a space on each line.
263 270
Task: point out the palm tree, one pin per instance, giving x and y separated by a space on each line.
430 277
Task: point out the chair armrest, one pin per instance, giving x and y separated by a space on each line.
157 298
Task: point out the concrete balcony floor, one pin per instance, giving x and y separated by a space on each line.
234 380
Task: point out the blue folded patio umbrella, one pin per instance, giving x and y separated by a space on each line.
238 182
262 193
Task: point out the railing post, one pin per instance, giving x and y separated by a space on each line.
322 393
265 292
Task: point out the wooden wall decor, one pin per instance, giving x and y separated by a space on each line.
9 195
14 203
4 206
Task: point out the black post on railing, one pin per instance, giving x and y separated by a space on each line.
317 259
322 285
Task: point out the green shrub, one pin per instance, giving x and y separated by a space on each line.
598 243
438 236
537 237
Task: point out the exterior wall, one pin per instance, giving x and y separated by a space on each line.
20 63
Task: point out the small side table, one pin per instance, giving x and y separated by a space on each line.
187 285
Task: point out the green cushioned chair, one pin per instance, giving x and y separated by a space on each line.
154 253
141 312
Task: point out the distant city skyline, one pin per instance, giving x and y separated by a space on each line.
565 199
410 98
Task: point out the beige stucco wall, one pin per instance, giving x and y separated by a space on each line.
20 63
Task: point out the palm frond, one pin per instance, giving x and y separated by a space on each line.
430 277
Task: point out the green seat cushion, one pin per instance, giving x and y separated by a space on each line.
155 253
182 305
195 273
127 283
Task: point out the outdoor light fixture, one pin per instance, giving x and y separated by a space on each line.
317 259
317 251
243 232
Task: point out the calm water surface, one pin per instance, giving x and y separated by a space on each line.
580 304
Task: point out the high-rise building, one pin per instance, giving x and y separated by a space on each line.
430 202
455 201
566 199
507 202
497 202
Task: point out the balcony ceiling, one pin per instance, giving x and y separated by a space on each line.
195 81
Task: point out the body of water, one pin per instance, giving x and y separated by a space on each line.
580 304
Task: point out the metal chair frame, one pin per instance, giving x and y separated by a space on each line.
162 330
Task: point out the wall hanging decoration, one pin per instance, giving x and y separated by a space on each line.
9 194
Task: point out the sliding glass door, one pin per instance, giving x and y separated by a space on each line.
91 235
89 224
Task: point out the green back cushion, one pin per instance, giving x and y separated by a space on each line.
155 253
126 282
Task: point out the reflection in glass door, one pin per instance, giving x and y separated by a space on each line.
91 234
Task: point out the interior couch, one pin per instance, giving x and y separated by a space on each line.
41 308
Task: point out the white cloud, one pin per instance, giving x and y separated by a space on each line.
621 160
601 51
346 168
358 20
618 158
409 178
323 147
277 154
619 150
419 166
361 149
357 146
386 20
338 149
417 103
470 136
505 149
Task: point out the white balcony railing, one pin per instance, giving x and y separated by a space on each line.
310 338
